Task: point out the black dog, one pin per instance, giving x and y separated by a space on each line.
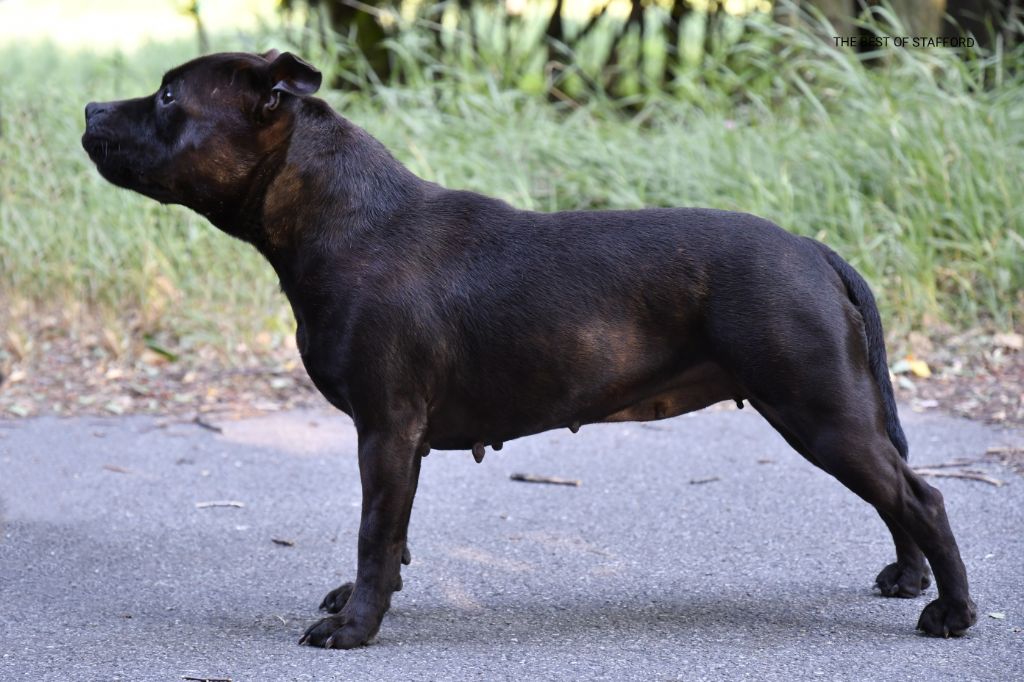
446 319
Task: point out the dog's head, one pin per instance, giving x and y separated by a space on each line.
202 136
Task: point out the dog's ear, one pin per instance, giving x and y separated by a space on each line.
292 75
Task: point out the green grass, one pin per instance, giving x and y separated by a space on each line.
912 171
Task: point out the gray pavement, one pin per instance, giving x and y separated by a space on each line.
109 571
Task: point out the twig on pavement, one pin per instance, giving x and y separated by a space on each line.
533 478
220 503
969 475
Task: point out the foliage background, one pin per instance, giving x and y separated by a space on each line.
908 162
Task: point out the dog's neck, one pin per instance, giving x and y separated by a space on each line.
358 184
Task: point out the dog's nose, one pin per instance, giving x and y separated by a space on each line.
92 109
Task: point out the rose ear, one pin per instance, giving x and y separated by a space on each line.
271 54
292 75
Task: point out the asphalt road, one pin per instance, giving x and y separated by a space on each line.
109 571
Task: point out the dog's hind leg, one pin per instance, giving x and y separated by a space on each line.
908 576
857 451
832 411
803 338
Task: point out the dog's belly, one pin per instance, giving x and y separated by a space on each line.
698 387
489 418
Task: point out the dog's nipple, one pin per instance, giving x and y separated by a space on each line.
478 452
574 427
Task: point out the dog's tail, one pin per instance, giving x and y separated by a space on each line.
860 295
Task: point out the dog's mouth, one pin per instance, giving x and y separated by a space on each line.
104 149
95 144
114 164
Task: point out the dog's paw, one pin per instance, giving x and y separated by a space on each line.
337 632
946 618
899 580
337 598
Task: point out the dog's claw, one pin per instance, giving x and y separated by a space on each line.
406 555
574 427
478 452
497 445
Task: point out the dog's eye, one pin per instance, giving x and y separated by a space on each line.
166 95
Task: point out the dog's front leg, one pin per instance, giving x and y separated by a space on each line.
389 467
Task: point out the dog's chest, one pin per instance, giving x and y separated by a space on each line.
325 368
